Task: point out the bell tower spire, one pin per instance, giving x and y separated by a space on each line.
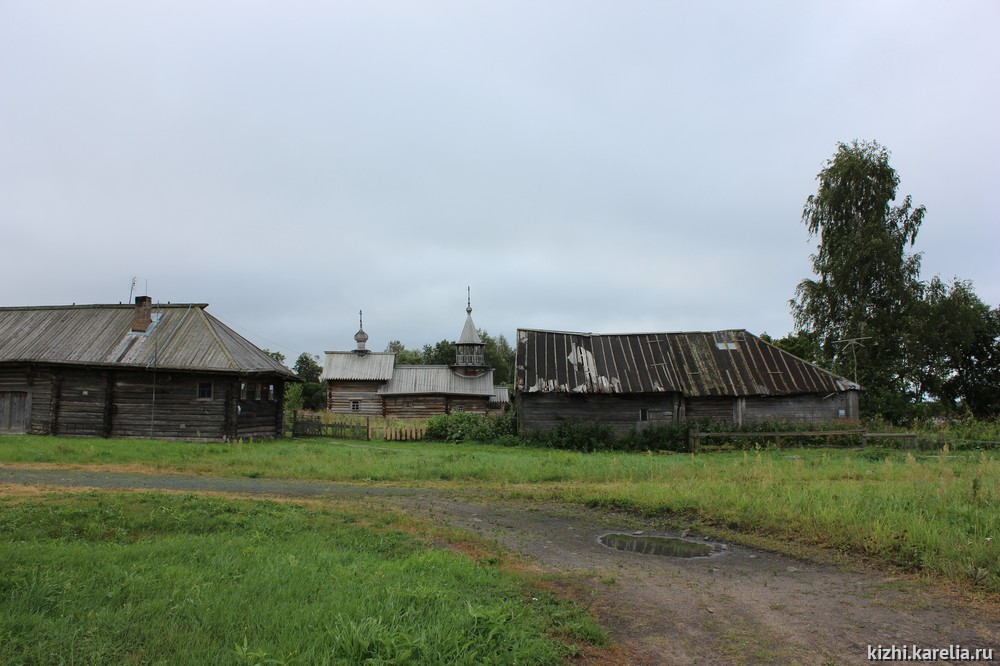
470 351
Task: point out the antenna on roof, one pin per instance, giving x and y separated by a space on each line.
131 290
853 343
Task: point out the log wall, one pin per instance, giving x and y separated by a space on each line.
340 395
543 411
713 409
426 406
168 407
802 408
136 403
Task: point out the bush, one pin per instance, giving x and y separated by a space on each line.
671 437
574 437
464 427
674 436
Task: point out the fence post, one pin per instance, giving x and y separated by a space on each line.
295 420
368 425
693 439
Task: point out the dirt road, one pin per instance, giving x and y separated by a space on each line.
739 606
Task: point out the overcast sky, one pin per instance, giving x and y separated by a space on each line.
587 166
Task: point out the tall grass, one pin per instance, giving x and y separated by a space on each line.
121 578
936 515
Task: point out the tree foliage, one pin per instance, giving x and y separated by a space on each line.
307 367
497 351
276 355
443 353
916 341
867 284
955 349
405 356
499 356
801 343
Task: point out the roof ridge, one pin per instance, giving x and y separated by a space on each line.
98 306
222 345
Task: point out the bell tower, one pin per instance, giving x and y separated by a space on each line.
470 351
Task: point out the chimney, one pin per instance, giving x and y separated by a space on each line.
143 315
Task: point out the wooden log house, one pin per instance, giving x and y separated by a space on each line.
641 379
163 371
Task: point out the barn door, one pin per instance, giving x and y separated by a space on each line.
13 412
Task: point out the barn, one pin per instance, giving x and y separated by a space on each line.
637 380
166 371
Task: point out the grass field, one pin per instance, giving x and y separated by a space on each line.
933 512
101 578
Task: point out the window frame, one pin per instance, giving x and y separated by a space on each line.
199 391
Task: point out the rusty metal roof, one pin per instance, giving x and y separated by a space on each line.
436 379
181 337
719 363
347 365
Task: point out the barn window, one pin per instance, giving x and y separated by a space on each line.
205 390
355 405
725 341
643 414
460 408
407 403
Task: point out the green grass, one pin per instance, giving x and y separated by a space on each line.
938 515
105 578
934 512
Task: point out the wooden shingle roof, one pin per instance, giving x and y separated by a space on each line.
351 366
181 337
436 379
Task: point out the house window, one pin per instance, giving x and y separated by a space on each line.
205 390
256 393
270 393
355 405
243 390
643 415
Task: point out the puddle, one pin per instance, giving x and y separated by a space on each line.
651 545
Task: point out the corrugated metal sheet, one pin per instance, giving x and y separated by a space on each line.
501 395
440 379
373 366
182 337
719 363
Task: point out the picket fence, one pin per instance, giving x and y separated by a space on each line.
346 426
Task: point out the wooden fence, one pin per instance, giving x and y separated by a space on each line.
347 426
